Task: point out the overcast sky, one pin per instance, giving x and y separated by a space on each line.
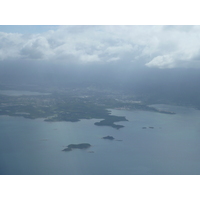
150 46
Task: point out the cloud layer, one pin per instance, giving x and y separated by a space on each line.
152 46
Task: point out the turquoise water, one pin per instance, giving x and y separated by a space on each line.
171 147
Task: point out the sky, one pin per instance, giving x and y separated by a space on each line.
157 46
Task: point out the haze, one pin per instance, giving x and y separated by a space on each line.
161 62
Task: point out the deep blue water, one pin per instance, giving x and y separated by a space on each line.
171 147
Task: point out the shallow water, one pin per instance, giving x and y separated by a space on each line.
171 147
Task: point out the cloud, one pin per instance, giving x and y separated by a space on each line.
119 49
89 58
9 45
153 46
114 59
165 61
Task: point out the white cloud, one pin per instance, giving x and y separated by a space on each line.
36 48
9 45
89 58
120 49
113 59
154 46
165 61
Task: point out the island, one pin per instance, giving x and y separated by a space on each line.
108 137
77 146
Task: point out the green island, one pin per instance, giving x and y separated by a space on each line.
77 146
73 105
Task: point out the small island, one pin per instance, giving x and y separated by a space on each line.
108 137
77 146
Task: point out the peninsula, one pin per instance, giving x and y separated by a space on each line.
109 121
72 105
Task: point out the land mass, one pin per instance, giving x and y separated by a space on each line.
72 105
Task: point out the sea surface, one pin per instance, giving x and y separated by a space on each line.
169 147
20 93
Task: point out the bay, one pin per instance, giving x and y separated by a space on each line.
168 145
